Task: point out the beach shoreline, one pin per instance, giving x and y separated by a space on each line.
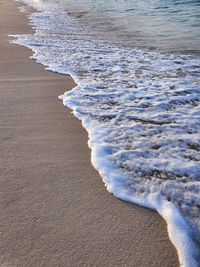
55 210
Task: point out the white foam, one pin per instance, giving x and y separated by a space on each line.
141 110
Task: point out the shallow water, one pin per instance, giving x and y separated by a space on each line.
140 107
172 25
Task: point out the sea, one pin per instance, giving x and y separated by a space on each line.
137 68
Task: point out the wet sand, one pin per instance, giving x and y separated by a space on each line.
55 210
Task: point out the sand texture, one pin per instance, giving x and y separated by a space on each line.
55 210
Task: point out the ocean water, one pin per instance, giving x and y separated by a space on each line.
171 25
137 69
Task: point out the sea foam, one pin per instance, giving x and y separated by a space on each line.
141 110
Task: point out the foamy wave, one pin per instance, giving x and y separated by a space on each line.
141 110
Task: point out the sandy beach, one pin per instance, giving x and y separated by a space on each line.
55 210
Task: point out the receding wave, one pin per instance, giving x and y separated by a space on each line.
142 112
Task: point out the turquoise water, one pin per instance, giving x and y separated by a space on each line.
170 26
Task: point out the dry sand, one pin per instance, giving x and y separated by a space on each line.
55 210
